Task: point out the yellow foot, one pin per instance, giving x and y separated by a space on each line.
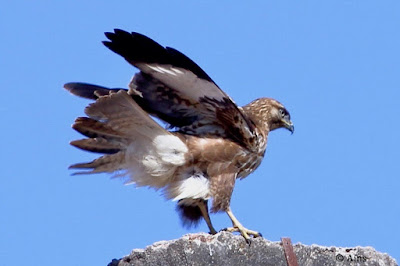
238 227
246 233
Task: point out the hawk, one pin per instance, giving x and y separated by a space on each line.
209 141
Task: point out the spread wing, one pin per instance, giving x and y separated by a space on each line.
175 89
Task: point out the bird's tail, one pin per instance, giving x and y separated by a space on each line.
130 139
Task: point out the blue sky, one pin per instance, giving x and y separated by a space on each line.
334 64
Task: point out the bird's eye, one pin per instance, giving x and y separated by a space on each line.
282 112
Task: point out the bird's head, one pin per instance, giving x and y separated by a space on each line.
269 114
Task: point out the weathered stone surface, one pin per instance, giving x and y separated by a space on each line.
228 249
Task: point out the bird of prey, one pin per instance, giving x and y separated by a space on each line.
209 141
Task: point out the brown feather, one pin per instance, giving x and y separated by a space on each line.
99 145
221 188
92 128
106 163
222 180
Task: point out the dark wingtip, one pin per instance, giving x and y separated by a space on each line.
109 35
86 90
118 33
138 48
69 86
119 41
76 88
107 44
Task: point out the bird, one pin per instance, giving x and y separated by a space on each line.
173 129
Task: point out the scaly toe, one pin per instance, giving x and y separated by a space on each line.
246 233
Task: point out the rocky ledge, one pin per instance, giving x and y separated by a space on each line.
227 249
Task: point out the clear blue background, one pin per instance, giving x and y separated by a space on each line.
334 64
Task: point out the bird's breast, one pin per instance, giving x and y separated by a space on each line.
247 164
205 151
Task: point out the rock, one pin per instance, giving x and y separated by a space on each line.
228 249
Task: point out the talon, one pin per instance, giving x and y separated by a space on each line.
248 241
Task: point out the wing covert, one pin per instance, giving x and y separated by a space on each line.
175 89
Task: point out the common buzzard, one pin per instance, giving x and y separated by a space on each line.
209 142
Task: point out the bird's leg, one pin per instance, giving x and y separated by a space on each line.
238 227
204 211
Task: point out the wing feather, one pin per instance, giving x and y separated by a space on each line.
174 88
88 91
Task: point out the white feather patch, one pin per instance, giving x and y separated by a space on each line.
180 79
164 70
153 161
190 183
195 187
170 149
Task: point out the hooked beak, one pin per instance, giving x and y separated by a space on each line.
288 125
